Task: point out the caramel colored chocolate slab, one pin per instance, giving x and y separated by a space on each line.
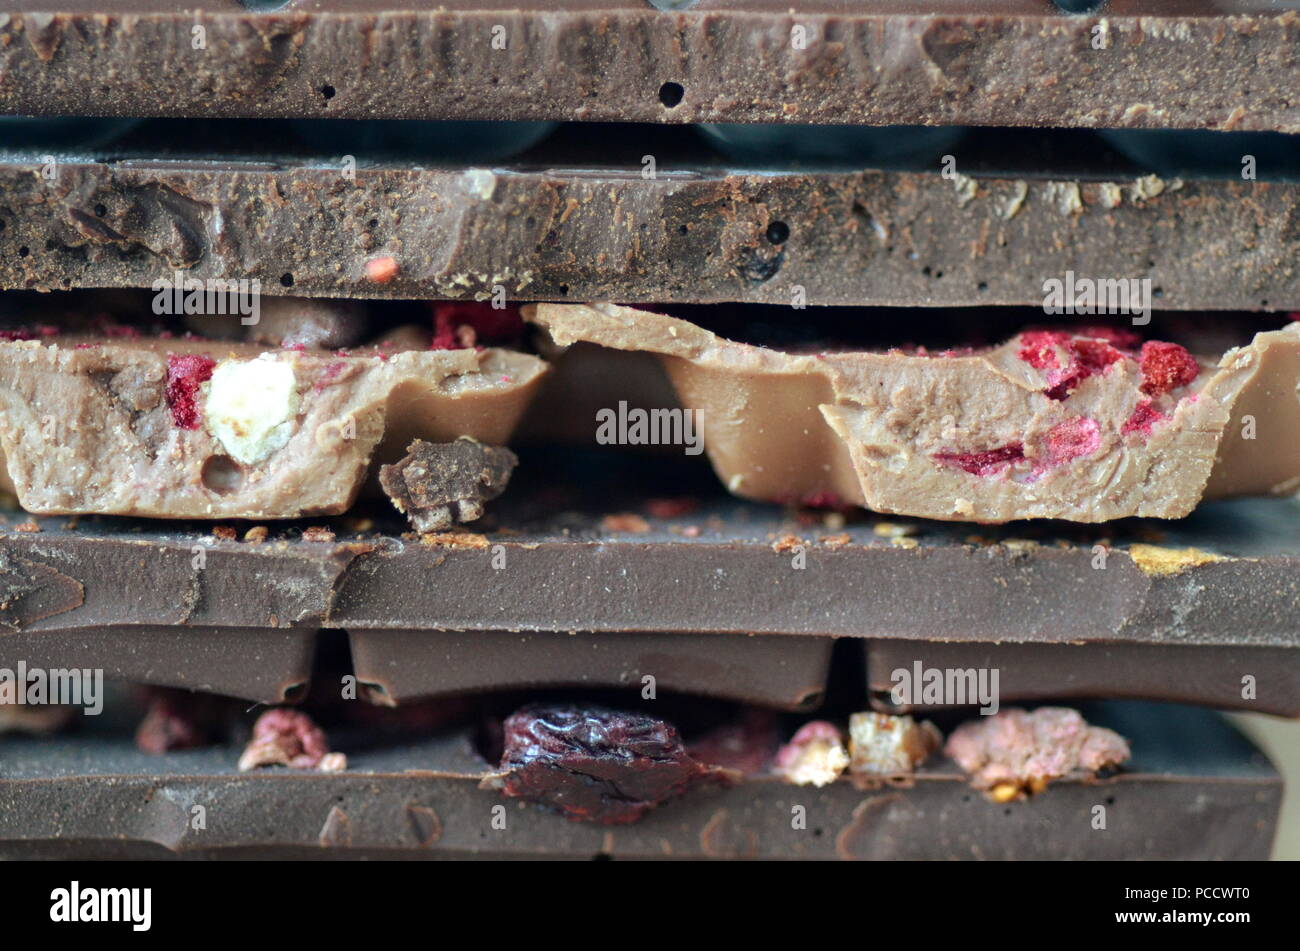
97 427
694 233
785 672
1195 789
1017 431
1173 63
1212 676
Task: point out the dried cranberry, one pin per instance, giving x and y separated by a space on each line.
1166 366
594 764
986 463
1072 439
177 720
186 372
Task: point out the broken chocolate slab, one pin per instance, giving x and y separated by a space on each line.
400 666
438 484
594 764
1195 788
1077 424
1239 677
700 234
181 428
889 747
1004 62
1015 752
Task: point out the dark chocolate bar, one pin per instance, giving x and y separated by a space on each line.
1173 63
1195 789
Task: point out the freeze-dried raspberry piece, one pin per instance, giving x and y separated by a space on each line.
1014 752
815 755
1166 366
459 325
1038 348
178 720
1144 418
987 463
186 372
1071 440
1094 356
286 738
594 764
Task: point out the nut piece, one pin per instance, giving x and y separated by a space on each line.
251 405
815 755
437 484
884 745
1015 753
307 322
285 738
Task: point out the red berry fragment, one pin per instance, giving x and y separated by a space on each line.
459 325
1144 418
987 463
186 372
286 738
593 764
1071 440
1038 348
1166 367
178 720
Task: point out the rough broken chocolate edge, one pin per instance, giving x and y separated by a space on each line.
981 68
437 485
856 238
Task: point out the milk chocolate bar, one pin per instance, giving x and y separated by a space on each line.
199 429
1085 424
1194 789
1014 62
696 232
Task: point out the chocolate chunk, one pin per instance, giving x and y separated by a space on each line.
594 764
438 484
1013 752
1077 425
309 322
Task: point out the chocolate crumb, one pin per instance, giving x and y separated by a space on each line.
28 526
786 543
317 533
439 484
224 533
256 535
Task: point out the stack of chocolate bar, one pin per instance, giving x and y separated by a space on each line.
667 429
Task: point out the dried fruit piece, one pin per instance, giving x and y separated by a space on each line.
178 720
1166 367
1144 418
284 738
437 484
459 325
990 462
594 764
186 372
815 755
1016 752
885 745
